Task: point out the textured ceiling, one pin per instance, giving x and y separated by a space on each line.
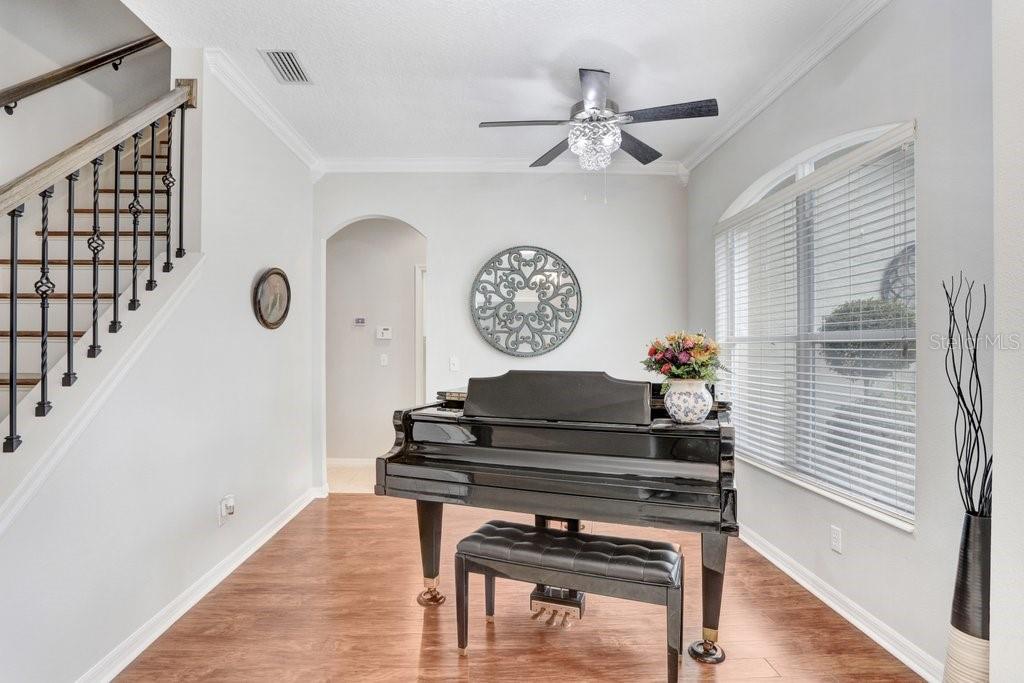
412 79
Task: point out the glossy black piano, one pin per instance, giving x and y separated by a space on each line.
568 446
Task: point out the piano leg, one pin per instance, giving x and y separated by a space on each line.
428 515
712 547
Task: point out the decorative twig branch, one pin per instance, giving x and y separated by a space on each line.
973 460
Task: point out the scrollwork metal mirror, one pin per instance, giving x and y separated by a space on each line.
525 301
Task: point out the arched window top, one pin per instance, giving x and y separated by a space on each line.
804 163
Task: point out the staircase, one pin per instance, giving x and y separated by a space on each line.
90 232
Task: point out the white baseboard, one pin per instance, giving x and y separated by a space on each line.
123 655
896 644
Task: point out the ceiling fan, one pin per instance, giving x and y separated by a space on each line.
594 124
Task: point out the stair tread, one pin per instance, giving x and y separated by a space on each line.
143 155
123 210
36 334
125 232
25 379
104 262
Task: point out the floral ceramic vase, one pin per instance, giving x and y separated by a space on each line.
688 401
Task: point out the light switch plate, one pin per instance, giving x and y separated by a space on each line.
359 321
453 364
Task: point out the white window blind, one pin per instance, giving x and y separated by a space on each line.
815 312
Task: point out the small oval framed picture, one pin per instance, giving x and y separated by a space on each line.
271 298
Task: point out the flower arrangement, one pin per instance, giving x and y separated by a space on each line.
684 355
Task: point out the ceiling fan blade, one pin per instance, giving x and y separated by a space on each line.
551 154
499 124
594 84
684 110
640 151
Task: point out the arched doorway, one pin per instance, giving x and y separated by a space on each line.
374 270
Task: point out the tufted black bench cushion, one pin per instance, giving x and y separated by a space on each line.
621 559
646 571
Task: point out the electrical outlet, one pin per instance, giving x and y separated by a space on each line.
453 364
383 360
226 509
835 538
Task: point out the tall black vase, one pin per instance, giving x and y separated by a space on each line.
967 656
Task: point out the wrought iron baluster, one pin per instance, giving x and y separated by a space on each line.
136 210
95 244
151 282
69 375
115 323
168 180
12 441
44 288
181 181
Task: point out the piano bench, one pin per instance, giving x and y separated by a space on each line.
631 569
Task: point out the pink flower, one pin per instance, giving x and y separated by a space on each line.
684 357
688 343
666 368
659 356
651 351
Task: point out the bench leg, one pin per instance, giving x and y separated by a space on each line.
462 602
674 617
489 596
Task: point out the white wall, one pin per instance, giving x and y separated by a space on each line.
371 269
41 35
1008 543
917 59
629 255
216 405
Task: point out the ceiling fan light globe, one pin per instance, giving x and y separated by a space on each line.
595 159
594 142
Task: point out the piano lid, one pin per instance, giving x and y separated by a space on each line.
559 395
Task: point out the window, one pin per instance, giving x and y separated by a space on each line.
815 312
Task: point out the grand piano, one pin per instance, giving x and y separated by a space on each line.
568 446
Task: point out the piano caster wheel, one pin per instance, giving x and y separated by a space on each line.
707 652
430 597
462 652
489 618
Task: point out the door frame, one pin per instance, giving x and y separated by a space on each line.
419 286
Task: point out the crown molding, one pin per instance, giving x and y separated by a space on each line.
490 165
228 73
841 26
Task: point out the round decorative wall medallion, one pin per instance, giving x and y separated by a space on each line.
525 301
271 298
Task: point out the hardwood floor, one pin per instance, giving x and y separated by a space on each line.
333 597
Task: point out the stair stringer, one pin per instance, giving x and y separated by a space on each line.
46 440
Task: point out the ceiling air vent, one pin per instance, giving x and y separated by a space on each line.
285 66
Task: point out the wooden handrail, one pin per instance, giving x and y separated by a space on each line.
50 172
9 97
